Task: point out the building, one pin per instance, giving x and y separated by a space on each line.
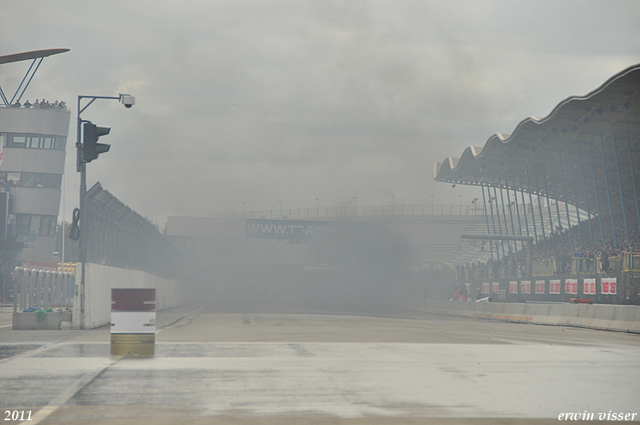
33 139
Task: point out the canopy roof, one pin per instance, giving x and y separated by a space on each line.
586 152
34 54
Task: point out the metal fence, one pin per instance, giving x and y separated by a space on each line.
357 211
118 236
42 289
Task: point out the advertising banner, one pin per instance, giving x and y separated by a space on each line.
571 286
554 286
495 287
540 287
608 285
589 287
525 287
485 288
513 287
298 230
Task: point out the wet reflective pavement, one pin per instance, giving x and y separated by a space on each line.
213 368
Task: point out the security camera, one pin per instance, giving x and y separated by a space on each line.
128 101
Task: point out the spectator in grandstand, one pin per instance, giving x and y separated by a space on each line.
604 260
460 294
478 294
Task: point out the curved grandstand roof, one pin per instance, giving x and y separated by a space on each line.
585 152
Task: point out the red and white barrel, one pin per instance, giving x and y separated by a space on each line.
133 322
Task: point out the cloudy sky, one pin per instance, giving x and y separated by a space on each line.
258 102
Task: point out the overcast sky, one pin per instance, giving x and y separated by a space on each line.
257 102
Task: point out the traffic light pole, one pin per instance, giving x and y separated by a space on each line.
81 167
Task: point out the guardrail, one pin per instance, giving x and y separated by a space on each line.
42 289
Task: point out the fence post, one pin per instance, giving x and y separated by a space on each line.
17 294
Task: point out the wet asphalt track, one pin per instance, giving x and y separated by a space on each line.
290 368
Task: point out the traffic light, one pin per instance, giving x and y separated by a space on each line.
90 146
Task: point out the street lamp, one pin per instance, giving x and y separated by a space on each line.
81 166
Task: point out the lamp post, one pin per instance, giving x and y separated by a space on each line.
81 167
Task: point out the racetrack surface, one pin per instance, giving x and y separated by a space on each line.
213 368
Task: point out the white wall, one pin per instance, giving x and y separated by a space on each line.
99 280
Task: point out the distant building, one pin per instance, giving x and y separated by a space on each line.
33 153
33 140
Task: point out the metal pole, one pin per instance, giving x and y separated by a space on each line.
82 254
533 215
575 193
586 196
513 227
524 206
565 197
486 216
515 198
555 194
504 214
595 185
546 193
495 195
633 180
624 214
81 167
544 236
606 182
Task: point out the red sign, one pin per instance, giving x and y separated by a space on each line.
589 287
540 287
554 287
571 286
513 287
608 286
525 287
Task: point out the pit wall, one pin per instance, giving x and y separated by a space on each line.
99 280
623 318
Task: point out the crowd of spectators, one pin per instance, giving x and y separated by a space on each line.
44 104
560 248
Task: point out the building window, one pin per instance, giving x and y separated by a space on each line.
33 141
45 180
35 225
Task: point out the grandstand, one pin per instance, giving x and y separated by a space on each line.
584 157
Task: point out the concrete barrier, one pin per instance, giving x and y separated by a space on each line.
100 279
29 321
623 318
